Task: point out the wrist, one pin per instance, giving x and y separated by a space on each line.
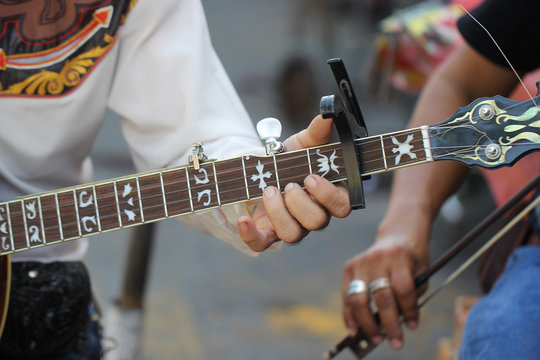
407 225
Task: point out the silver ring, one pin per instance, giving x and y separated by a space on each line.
379 284
357 287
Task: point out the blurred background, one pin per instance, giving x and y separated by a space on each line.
205 300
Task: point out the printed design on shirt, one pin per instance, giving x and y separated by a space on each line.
403 148
50 48
326 163
101 19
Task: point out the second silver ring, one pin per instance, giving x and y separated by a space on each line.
379 284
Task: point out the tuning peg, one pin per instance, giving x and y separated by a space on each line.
269 130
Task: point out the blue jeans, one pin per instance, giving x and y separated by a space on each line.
505 324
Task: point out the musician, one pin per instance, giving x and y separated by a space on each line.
62 64
505 323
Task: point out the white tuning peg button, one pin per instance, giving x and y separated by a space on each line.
269 130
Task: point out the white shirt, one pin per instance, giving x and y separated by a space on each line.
165 81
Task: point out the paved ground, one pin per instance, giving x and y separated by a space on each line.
206 300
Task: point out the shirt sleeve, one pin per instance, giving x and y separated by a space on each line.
513 25
171 91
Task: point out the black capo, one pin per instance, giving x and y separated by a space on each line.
350 126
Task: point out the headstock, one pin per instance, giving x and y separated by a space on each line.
490 132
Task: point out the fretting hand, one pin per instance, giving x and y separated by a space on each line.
292 215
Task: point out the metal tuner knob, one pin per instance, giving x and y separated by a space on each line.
269 130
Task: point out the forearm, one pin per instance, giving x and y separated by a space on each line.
418 192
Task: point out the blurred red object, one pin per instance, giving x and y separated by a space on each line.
413 41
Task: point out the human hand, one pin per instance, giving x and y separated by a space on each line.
399 254
292 215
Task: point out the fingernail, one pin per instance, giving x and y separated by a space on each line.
377 339
396 344
242 225
289 187
270 191
412 324
310 182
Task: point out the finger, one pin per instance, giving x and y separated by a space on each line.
389 316
302 207
285 225
258 239
360 304
318 132
348 317
334 198
405 293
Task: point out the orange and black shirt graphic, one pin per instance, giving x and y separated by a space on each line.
48 47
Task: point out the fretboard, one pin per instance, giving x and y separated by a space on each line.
71 213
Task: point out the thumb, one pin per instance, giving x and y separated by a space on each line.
319 132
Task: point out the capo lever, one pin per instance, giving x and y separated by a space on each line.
350 125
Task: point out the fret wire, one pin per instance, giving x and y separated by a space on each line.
58 216
96 207
309 162
140 200
10 228
427 142
25 224
117 205
216 181
366 162
163 194
41 220
77 211
245 177
189 189
276 172
383 153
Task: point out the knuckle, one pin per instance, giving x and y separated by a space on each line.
376 256
350 265
290 235
357 262
384 299
316 221
396 252
358 301
254 246
292 191
342 211
338 205
405 291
